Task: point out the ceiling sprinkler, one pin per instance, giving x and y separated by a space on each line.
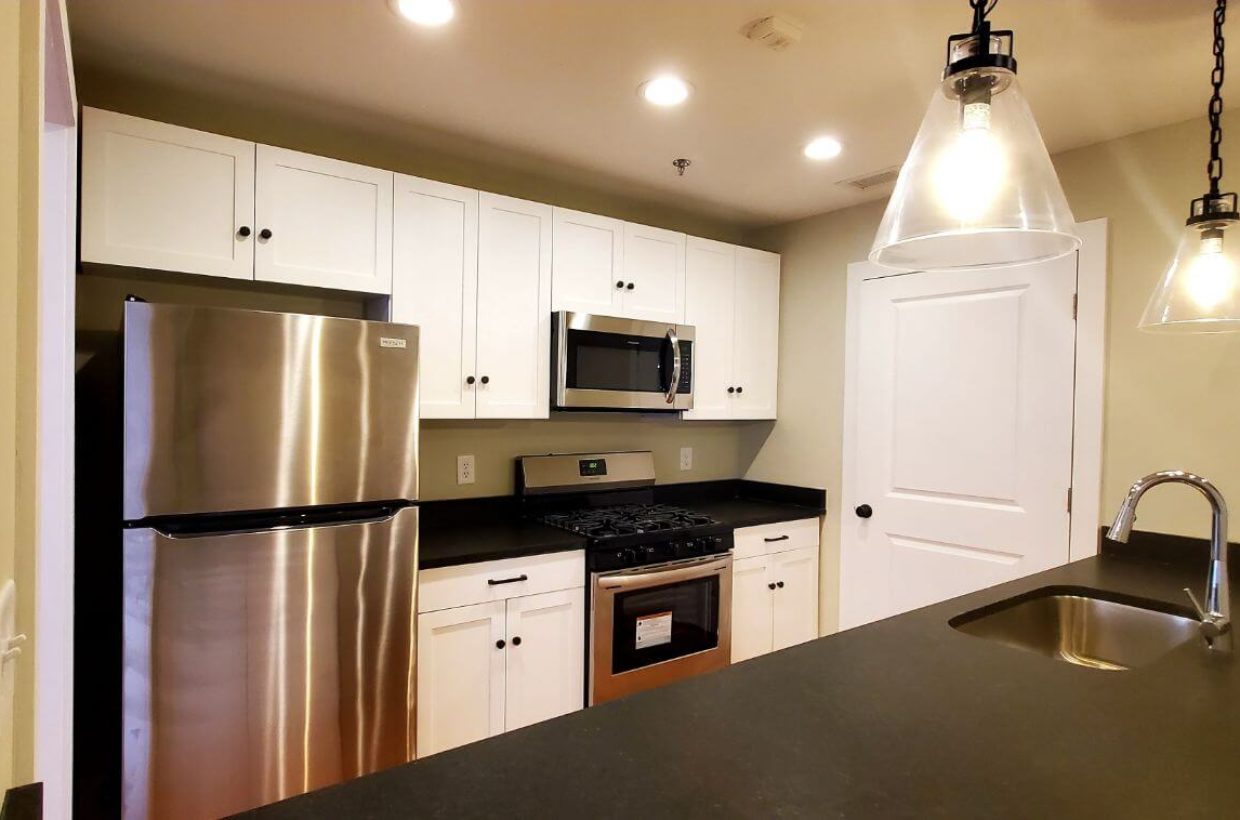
681 164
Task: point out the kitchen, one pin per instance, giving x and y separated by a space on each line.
550 283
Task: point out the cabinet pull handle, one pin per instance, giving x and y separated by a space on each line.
629 286
521 577
470 380
780 584
265 233
619 285
499 644
516 641
740 390
776 538
771 585
243 231
485 380
731 389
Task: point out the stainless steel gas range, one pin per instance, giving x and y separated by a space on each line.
659 577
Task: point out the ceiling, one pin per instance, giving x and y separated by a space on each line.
557 80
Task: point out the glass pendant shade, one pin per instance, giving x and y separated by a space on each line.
1200 293
978 189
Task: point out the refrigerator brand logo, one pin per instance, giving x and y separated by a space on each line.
385 341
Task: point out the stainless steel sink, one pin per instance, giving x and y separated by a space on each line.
1078 626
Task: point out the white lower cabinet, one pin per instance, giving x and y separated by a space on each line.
774 588
491 667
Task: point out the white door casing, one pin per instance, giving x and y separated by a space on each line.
545 656
710 289
587 263
435 286
958 433
654 274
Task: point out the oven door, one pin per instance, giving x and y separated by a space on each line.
606 363
654 625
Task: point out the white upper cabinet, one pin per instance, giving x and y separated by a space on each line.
654 274
435 285
710 277
756 340
167 198
514 308
587 263
322 222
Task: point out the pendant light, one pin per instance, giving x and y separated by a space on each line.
978 189
1200 293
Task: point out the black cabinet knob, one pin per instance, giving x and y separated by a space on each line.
619 285
780 584
731 389
485 380
516 641
770 586
499 644
265 233
629 286
864 511
243 231
740 390
470 380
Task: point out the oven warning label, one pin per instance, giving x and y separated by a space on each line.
654 629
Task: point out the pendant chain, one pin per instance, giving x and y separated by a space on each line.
1215 167
981 8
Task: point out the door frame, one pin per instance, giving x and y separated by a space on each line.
1088 389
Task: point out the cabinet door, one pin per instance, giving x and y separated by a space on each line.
654 274
751 608
546 649
514 308
460 676
709 282
795 574
166 198
756 344
330 222
586 267
435 286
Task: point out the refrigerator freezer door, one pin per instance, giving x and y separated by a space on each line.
260 665
238 410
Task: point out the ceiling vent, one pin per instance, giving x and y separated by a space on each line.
776 32
874 180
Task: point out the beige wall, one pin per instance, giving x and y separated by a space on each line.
1170 401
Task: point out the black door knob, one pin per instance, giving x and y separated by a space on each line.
864 511
499 644
780 584
516 641
740 390
265 233
619 285
486 379
731 389
770 585
629 286
243 231
470 379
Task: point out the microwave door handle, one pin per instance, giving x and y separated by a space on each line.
675 343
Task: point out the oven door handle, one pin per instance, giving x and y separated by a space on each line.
659 577
675 343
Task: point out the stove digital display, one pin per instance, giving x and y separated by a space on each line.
593 466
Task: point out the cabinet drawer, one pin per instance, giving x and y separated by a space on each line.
771 538
445 587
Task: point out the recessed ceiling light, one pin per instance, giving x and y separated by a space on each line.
823 148
665 90
425 12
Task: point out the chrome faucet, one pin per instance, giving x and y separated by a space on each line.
1215 616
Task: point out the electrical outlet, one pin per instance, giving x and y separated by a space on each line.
686 458
464 469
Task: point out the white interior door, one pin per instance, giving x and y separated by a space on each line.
435 286
514 308
328 222
654 274
545 656
756 341
710 269
460 676
958 434
587 263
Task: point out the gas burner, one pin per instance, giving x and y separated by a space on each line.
626 519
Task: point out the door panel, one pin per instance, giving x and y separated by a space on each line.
710 276
514 309
166 198
654 264
435 286
331 222
756 343
796 596
544 669
284 658
587 263
460 676
751 608
963 439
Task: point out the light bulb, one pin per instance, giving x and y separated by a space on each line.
665 91
970 172
1211 275
431 13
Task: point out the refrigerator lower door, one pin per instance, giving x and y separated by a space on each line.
260 665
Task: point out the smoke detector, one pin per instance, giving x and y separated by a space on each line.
776 32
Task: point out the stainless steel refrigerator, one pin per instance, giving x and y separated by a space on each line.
270 555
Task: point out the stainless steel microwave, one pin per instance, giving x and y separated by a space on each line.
608 363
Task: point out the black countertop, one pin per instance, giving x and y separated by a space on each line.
901 718
486 529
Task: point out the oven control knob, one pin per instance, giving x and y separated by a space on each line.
627 556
